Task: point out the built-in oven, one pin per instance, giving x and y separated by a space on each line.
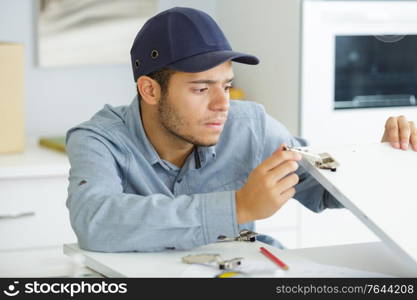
375 71
358 67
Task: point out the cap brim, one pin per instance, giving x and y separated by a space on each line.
208 60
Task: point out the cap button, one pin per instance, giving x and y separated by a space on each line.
154 54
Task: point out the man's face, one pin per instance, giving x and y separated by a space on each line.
196 106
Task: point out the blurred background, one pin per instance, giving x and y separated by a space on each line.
331 71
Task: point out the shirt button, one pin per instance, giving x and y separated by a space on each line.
179 180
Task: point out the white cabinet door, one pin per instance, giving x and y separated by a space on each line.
33 212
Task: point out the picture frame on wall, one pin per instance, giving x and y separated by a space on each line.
88 32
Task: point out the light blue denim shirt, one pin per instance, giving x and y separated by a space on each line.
123 197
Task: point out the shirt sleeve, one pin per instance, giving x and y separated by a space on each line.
105 218
308 191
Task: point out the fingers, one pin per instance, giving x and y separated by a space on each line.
277 158
282 170
404 132
280 148
413 135
391 132
288 194
400 133
287 183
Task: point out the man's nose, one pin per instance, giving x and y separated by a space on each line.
220 100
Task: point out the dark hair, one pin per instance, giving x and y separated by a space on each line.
161 76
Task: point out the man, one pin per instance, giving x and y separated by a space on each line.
182 165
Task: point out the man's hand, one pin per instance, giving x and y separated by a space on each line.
400 133
268 187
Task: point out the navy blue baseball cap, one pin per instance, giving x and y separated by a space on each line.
182 39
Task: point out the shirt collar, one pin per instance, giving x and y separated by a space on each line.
135 122
205 154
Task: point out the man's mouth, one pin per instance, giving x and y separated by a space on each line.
215 124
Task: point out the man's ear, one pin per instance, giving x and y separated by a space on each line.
149 89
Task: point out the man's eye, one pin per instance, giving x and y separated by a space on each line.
227 88
201 90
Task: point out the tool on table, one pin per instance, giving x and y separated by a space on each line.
207 258
244 236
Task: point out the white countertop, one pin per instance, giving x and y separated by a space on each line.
352 260
35 161
41 262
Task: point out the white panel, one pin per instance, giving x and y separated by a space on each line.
377 184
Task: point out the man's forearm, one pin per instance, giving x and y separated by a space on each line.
128 222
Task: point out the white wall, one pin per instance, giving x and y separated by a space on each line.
59 98
268 29
209 6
